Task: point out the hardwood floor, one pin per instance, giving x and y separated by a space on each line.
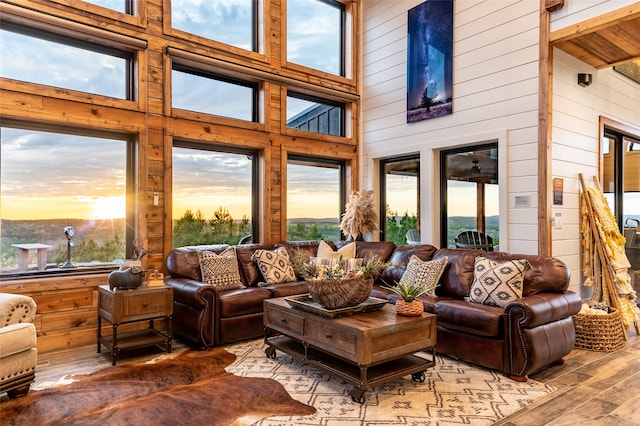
593 388
600 388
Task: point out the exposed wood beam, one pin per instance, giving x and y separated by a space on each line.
545 69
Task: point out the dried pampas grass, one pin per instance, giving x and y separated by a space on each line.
360 215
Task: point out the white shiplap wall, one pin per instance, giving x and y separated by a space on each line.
494 99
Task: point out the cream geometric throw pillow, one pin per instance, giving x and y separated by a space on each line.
275 265
497 283
425 272
220 270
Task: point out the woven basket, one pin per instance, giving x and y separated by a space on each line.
342 293
603 333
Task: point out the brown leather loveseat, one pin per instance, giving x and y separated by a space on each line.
526 335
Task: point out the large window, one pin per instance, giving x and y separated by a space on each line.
214 197
400 190
233 22
197 91
51 181
315 198
52 60
315 115
469 193
316 35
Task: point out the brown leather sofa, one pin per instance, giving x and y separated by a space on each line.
525 336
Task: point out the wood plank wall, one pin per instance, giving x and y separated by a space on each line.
67 313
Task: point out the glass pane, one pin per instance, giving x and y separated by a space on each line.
314 34
402 187
462 215
55 64
119 5
314 116
608 171
631 206
205 94
313 201
472 198
229 21
212 196
53 180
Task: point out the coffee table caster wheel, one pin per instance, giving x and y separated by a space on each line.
270 352
418 377
357 395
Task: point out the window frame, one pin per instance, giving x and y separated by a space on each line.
132 192
443 187
135 11
255 87
314 161
383 190
257 32
91 43
226 149
618 137
344 33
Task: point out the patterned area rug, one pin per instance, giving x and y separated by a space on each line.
453 393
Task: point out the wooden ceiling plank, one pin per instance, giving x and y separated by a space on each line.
603 41
579 52
627 13
623 40
602 48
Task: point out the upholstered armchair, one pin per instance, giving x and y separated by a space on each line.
18 353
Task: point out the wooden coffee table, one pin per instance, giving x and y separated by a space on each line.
364 350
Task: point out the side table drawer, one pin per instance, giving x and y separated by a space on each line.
135 305
284 321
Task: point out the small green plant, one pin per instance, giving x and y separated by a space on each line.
408 291
374 267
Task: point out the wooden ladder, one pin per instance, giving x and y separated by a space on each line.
609 272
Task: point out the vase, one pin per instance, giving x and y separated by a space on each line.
409 309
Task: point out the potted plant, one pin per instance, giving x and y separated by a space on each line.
407 304
360 215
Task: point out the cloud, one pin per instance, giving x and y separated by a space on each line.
202 94
227 21
313 35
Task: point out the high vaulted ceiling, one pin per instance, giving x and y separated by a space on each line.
604 41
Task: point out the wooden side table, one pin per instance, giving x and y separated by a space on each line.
128 306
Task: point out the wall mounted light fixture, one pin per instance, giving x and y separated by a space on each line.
585 80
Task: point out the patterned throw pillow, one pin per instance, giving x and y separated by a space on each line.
275 265
220 270
348 251
426 272
497 283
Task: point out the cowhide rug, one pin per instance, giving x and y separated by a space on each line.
188 388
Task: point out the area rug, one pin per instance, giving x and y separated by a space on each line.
453 393
238 385
179 389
